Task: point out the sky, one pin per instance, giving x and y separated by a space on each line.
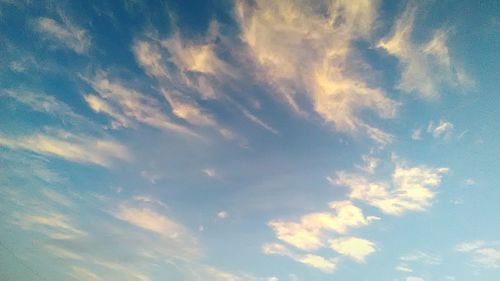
249 140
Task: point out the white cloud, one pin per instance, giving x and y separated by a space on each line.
222 215
176 81
408 190
404 268
65 34
258 121
211 173
309 232
127 106
421 257
186 108
319 262
470 181
443 129
151 220
53 224
42 103
149 57
200 58
82 149
353 247
427 66
80 273
414 278
302 50
485 254
370 164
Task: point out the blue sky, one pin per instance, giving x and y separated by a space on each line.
249 140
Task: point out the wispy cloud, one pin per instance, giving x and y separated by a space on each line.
64 34
66 145
151 220
300 50
443 129
485 254
319 262
127 106
426 66
81 273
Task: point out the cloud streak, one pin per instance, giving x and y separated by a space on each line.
65 34
68 146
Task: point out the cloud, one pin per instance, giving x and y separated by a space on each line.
149 57
181 68
258 121
222 215
421 257
81 273
319 262
308 233
198 58
408 190
443 129
426 66
150 220
404 268
42 103
53 224
211 173
66 34
302 51
355 248
416 134
485 254
414 278
66 145
127 106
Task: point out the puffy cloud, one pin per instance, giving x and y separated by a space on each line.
82 149
65 34
319 262
302 49
308 233
408 190
485 254
443 129
425 66
355 248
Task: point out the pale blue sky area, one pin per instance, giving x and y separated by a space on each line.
249 140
